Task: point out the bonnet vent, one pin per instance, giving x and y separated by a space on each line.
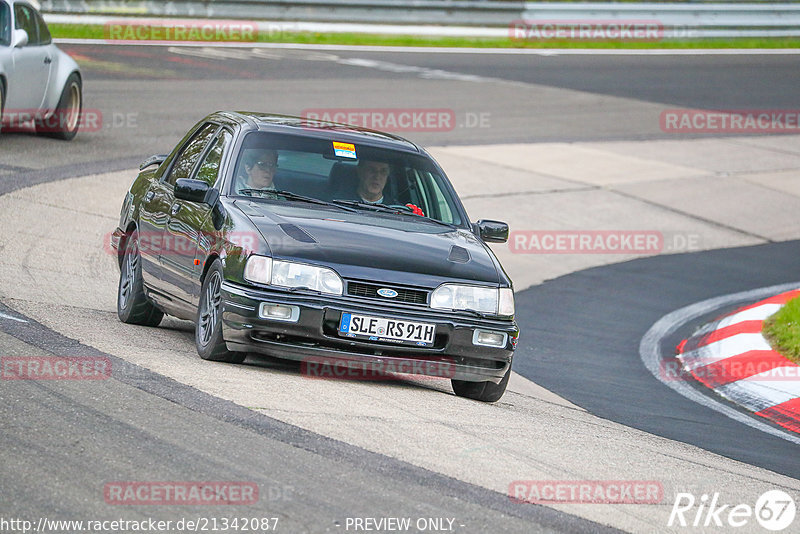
458 254
297 233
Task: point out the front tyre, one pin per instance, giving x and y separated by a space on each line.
481 391
132 304
208 327
66 120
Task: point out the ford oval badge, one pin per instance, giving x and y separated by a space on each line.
388 293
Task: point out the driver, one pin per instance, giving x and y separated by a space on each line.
372 178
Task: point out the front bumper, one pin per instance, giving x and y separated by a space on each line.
313 335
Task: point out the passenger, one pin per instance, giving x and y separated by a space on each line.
258 173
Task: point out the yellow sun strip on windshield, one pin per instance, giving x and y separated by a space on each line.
344 150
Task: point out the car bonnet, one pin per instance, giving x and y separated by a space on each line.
358 249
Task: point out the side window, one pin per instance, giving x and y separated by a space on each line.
427 192
5 25
444 212
186 160
421 194
44 33
25 20
209 168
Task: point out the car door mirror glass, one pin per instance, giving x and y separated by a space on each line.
191 190
493 231
20 38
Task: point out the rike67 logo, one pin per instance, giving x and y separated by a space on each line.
774 510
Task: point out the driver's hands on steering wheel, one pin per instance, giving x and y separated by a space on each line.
415 209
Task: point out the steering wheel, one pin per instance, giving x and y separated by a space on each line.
401 207
416 210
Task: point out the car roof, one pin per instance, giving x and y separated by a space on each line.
270 122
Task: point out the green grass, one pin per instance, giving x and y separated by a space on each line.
86 31
783 330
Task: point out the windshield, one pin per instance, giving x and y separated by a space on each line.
362 178
5 25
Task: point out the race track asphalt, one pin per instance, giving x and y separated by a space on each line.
581 331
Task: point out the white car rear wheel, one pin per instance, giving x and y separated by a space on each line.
66 121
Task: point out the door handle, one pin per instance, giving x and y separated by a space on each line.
48 60
175 209
149 196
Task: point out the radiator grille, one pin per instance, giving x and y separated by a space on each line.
370 291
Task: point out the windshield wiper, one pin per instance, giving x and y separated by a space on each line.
368 205
294 196
383 208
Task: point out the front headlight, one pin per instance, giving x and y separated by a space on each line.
266 271
489 300
291 274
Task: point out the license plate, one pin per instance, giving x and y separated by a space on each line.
388 330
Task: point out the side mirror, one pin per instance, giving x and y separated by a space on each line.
20 38
492 231
195 191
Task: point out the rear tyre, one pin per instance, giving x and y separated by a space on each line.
67 118
481 391
132 304
208 327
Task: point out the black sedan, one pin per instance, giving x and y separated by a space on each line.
341 247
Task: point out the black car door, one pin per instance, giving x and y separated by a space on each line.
189 227
155 212
153 215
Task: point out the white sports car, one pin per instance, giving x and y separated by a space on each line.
38 82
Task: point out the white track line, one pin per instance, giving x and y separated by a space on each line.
4 316
212 53
650 353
